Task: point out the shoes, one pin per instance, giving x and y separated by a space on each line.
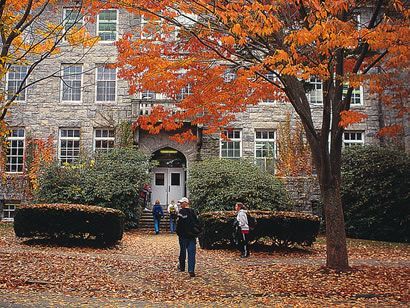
156 232
191 274
180 269
245 256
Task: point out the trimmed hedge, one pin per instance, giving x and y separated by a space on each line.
217 184
376 193
113 180
67 221
285 229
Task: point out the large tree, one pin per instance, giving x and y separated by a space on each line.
229 54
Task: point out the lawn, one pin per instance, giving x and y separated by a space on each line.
142 270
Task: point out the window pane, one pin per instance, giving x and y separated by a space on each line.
15 151
16 75
107 25
159 179
175 179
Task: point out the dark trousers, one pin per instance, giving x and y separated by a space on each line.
187 245
243 243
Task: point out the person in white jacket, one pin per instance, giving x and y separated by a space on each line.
173 214
242 219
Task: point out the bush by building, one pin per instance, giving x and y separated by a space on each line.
217 184
112 180
70 221
376 193
285 229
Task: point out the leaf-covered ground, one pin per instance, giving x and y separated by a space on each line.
142 271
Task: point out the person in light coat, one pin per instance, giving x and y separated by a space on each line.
243 232
173 214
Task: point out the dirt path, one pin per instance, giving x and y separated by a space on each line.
141 271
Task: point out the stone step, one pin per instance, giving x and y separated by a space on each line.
146 222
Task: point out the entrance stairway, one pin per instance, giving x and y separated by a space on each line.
147 221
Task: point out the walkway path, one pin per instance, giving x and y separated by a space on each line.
141 271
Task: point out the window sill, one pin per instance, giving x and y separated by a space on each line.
105 102
71 102
14 174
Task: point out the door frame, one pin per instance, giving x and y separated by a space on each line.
164 195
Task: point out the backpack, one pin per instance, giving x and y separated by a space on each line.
173 212
252 222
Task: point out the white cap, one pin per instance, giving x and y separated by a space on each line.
184 199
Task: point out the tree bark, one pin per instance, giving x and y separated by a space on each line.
336 248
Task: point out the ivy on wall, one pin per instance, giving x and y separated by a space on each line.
125 135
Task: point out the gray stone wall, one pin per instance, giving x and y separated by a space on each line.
304 192
43 114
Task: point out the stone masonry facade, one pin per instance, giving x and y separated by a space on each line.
43 113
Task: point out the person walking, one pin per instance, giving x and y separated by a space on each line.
188 229
243 229
173 214
157 214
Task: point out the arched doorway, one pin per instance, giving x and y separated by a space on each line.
168 178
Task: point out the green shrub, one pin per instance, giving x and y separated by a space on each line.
217 184
376 193
283 228
112 180
68 221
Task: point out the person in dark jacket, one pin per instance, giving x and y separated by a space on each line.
188 229
157 214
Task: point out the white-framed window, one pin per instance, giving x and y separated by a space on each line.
353 138
71 82
16 78
265 149
104 139
107 25
185 91
315 95
106 84
9 209
231 148
72 18
357 95
15 151
69 145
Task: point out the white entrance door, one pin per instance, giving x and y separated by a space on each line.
167 184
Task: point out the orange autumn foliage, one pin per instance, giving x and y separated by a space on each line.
349 117
39 153
182 49
295 157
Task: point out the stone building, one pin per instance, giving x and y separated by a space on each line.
84 104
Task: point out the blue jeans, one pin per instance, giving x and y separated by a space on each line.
187 244
156 224
172 224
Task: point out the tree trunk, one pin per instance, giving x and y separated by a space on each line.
336 248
